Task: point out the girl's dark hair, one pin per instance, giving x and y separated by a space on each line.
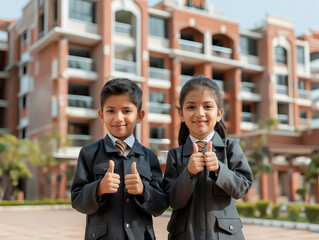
122 86
196 83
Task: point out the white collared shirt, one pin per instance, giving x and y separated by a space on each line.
129 141
206 139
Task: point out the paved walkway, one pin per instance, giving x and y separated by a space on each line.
69 225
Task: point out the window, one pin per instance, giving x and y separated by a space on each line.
303 114
282 84
83 10
218 76
2 89
56 9
78 128
281 55
157 97
301 55
315 115
158 27
24 102
302 85
157 133
24 37
2 114
25 69
248 46
156 62
41 23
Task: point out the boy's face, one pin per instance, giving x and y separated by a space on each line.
120 116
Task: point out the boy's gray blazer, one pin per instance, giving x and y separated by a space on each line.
119 215
204 207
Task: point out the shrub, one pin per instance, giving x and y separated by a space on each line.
275 210
262 207
35 202
293 212
246 209
312 213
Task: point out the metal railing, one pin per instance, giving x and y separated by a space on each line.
222 51
191 45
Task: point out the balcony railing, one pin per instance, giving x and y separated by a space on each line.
222 51
191 45
248 87
79 140
282 89
283 118
161 108
125 66
124 28
159 73
220 84
80 101
302 93
248 117
82 63
315 95
184 79
314 65
3 36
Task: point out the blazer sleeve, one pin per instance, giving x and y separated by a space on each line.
155 200
84 190
179 187
236 178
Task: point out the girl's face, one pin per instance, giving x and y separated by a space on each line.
200 112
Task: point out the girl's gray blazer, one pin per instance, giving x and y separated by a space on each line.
119 215
204 206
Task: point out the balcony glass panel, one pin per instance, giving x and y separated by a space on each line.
79 140
191 45
248 87
282 89
3 36
220 84
82 63
248 117
314 65
123 28
283 118
160 108
184 79
159 73
302 93
222 51
80 101
125 66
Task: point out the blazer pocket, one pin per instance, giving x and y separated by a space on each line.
145 172
100 169
230 229
97 231
177 223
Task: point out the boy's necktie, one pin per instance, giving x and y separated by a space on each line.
121 146
201 145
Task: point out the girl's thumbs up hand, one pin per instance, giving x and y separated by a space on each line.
133 182
196 162
211 160
110 182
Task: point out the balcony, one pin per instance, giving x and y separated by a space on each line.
282 89
159 73
248 87
79 140
160 108
314 123
191 46
125 66
224 52
184 79
304 94
248 117
81 63
80 101
315 95
123 28
314 65
283 118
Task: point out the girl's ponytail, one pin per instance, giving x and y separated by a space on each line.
183 134
220 128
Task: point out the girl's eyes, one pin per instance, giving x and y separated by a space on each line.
112 111
193 107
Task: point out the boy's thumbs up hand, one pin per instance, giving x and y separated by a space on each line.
133 182
196 162
110 182
211 160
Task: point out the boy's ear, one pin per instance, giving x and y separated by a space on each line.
100 115
140 116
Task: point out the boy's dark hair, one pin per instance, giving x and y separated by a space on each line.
122 86
196 83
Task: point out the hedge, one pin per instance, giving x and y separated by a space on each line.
312 213
35 202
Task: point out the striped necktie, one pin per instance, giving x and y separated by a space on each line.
201 145
121 146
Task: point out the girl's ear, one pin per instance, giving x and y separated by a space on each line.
140 116
181 114
220 114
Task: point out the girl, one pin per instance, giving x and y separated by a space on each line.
207 172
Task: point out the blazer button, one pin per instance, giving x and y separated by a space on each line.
143 179
127 200
93 235
231 227
127 225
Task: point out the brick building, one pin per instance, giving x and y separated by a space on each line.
59 54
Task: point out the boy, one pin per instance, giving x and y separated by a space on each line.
117 180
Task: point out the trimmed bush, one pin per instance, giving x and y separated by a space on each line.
246 209
262 207
312 213
35 202
293 212
275 210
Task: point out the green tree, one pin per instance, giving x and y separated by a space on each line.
312 173
16 156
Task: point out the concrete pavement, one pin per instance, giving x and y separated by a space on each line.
48 224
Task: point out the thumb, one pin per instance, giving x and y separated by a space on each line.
111 167
134 170
209 146
195 148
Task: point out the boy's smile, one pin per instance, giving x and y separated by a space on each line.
120 116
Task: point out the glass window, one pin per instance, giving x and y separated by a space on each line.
246 108
158 27
157 133
282 80
156 62
78 128
218 76
41 23
300 55
302 85
157 97
303 114
248 46
83 10
2 89
281 55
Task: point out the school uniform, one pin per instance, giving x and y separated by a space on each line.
204 205
118 215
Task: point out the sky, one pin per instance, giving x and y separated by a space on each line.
248 13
